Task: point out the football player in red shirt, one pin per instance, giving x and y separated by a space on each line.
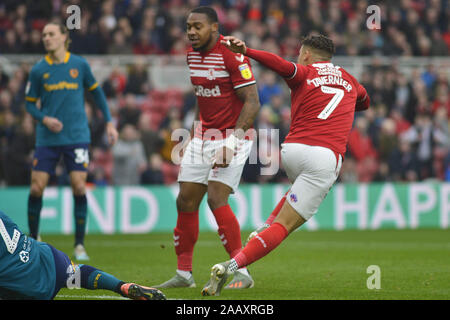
324 98
227 104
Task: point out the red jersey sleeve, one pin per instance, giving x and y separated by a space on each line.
297 77
362 99
292 73
240 69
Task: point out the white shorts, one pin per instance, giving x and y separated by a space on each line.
312 171
196 165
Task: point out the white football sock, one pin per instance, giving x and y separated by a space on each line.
185 274
244 271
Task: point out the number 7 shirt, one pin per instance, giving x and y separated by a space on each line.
324 98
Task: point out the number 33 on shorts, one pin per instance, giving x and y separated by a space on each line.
81 156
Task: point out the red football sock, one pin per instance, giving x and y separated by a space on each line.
261 244
185 236
276 211
229 229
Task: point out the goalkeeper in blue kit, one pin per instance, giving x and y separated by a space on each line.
31 269
59 82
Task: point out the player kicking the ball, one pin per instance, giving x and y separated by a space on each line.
324 99
227 104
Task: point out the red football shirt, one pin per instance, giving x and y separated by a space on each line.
215 75
324 98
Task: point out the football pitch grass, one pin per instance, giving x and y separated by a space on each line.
325 265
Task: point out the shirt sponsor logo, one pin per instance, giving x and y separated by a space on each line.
62 85
205 92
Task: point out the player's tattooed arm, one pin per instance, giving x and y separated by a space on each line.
249 95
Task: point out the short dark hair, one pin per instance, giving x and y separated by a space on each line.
321 43
210 13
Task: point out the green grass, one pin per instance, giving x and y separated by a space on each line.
415 264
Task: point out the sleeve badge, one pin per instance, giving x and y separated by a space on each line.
246 73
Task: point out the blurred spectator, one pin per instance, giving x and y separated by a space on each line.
422 135
99 177
153 174
168 143
403 163
116 83
19 154
35 46
4 79
130 112
387 142
129 157
156 26
151 139
138 79
348 172
360 145
119 44
438 45
362 150
268 86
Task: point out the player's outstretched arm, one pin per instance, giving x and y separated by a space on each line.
270 60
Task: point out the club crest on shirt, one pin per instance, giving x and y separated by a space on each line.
246 73
211 75
24 256
73 73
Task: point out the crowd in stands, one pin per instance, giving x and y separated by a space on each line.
404 136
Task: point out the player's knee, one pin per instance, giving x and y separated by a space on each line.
37 188
79 188
217 200
186 204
